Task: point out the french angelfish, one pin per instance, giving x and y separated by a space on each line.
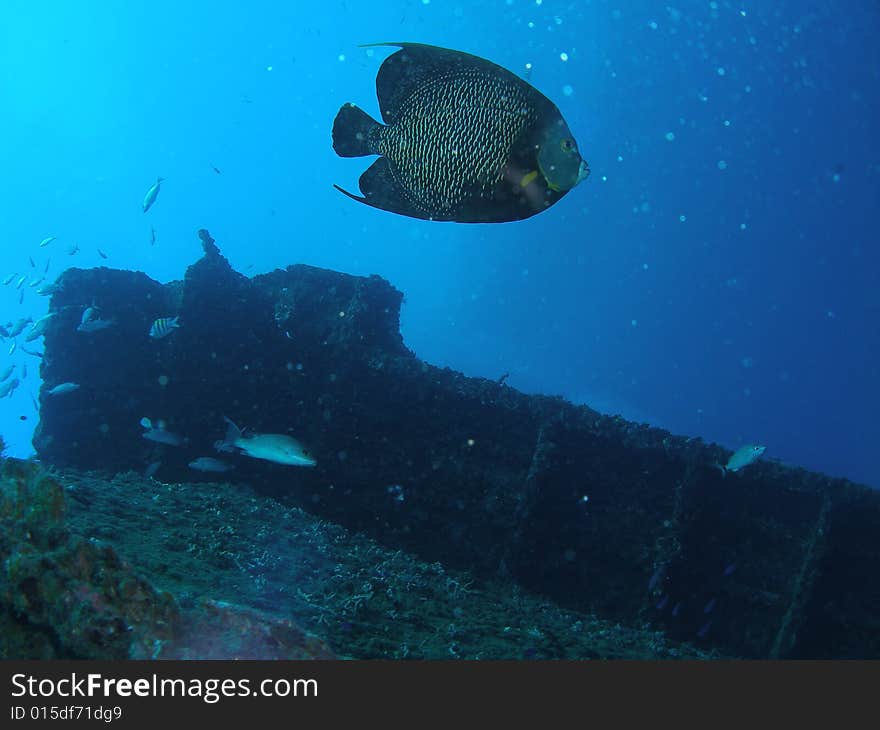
464 140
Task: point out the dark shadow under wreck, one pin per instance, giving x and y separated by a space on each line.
597 514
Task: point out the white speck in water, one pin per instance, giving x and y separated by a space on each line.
567 90
670 136
722 165
563 56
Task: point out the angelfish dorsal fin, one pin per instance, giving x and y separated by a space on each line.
415 64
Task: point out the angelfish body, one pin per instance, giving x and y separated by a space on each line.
209 464
464 140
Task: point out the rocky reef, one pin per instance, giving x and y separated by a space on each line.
602 517
65 596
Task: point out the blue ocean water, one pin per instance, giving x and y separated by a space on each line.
717 275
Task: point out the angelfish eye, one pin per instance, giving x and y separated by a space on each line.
567 145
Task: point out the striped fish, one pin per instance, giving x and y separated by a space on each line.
163 327
464 140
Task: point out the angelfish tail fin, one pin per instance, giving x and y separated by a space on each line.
353 131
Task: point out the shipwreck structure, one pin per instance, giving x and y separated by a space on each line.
596 513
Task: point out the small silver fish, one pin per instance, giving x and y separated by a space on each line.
102 254
207 463
276 447
45 291
12 347
742 457
38 328
19 326
9 279
152 194
89 313
31 259
161 436
8 388
151 470
6 373
95 325
152 236
21 281
46 268
63 388
163 327
159 433
47 241
37 281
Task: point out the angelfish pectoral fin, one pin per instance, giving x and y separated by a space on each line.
528 178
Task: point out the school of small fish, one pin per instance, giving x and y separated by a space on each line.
92 321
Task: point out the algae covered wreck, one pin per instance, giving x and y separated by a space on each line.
604 522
